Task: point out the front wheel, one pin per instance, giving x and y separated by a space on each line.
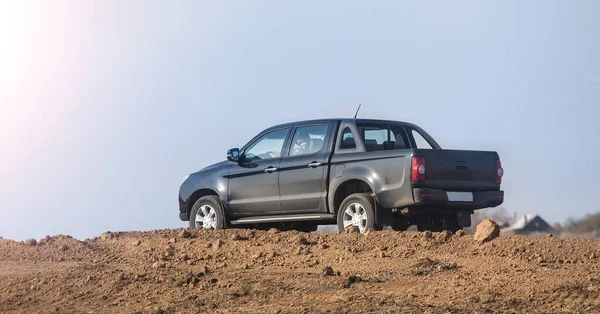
207 213
356 210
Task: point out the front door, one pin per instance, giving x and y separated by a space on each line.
303 169
253 182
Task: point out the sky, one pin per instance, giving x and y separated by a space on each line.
106 105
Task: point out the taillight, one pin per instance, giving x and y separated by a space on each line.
499 172
418 169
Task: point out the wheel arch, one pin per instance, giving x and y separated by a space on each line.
348 187
194 197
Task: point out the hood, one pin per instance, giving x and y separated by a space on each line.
215 165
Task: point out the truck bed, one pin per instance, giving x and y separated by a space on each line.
459 170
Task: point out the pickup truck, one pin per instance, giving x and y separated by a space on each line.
351 172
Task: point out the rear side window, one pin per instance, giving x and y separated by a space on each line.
347 139
383 137
375 137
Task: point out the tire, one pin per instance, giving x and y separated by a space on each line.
207 205
359 203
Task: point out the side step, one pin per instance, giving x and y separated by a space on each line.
282 218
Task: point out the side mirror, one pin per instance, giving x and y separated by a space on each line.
233 154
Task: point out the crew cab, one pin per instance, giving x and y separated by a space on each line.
350 172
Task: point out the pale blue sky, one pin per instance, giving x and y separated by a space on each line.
106 105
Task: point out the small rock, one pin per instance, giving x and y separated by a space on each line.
30 242
235 237
428 234
273 231
172 240
185 233
137 242
169 250
323 246
328 271
121 276
352 229
107 235
350 280
443 236
245 266
208 245
158 265
218 244
460 233
63 247
302 240
486 231
549 235
45 239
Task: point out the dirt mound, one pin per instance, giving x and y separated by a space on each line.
249 271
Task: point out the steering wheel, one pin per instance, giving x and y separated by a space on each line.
267 155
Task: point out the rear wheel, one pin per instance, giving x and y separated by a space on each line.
207 213
356 210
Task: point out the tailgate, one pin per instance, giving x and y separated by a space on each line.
459 170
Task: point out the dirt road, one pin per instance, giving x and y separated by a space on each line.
250 271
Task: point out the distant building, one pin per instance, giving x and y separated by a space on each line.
529 224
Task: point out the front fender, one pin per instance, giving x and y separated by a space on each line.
210 178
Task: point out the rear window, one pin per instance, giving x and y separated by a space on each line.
383 137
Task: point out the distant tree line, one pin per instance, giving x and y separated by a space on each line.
589 226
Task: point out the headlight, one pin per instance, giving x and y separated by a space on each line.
185 178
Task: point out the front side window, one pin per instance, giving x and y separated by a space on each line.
267 146
308 140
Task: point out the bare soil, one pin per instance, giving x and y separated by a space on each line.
251 271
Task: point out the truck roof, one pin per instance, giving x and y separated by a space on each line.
357 120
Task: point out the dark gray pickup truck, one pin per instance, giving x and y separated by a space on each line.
349 172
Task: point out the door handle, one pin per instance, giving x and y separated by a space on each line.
314 164
270 169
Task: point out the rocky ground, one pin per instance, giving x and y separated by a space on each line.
250 271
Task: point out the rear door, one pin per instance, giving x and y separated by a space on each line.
303 169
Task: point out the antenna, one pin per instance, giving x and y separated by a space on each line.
356 114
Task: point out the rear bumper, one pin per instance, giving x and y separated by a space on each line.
481 199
